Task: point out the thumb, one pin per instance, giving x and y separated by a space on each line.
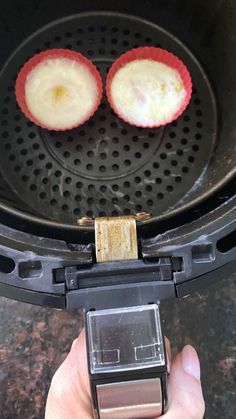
185 390
69 393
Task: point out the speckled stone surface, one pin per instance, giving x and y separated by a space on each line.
35 340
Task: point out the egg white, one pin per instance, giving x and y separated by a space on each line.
147 92
60 92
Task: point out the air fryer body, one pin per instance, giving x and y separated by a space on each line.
183 175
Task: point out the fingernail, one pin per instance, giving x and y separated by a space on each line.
73 343
190 362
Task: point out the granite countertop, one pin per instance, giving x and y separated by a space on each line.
35 340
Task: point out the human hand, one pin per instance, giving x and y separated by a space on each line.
69 393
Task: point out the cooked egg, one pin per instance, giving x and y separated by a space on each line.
147 92
60 92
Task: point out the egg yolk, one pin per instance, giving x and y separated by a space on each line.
59 93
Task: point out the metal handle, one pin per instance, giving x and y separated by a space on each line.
127 362
130 399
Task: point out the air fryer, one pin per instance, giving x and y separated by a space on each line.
178 180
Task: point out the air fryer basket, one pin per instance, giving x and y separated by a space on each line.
107 167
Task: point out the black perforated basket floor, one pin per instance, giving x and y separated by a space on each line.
105 167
